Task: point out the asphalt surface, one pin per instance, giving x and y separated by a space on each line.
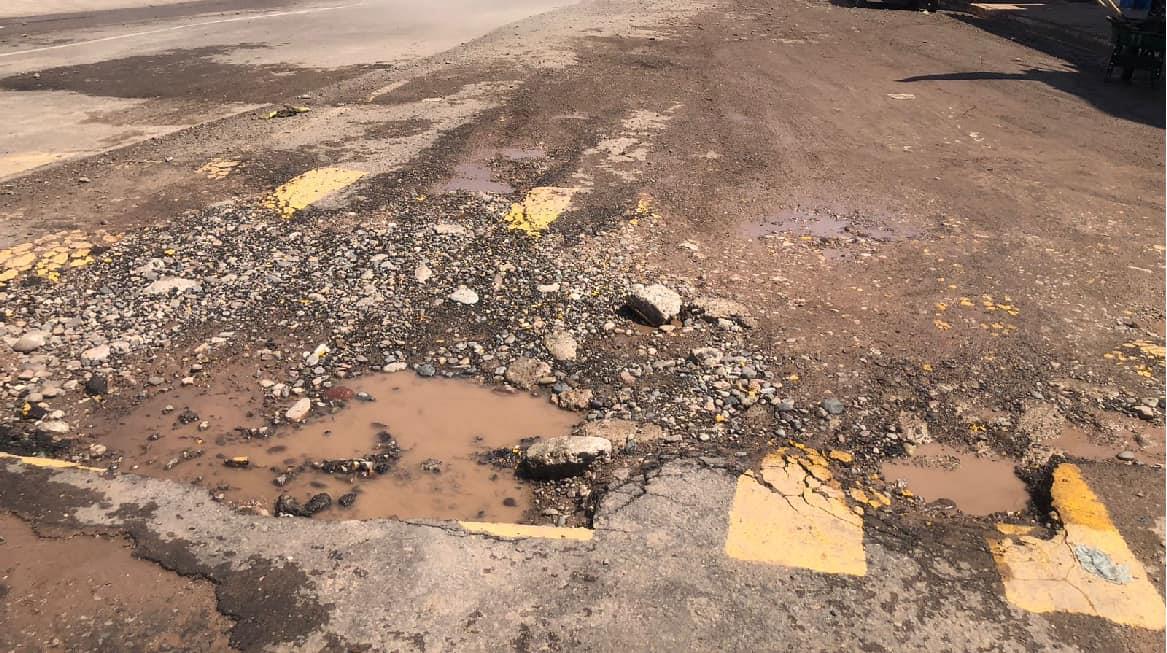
929 228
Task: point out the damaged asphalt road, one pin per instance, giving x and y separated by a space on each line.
785 278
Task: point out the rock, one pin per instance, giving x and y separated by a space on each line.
431 465
422 273
561 345
526 373
238 462
573 399
1145 412
832 406
347 500
426 370
450 229
51 391
177 284
286 505
299 410
563 456
317 503
655 304
155 380
1040 421
714 309
29 342
622 432
53 427
97 385
97 450
706 356
1126 455
95 355
464 295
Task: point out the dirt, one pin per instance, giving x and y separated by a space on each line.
432 433
89 593
976 485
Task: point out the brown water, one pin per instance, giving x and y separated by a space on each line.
1077 443
978 486
440 425
475 178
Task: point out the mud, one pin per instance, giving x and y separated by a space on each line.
475 178
429 434
828 226
88 593
978 486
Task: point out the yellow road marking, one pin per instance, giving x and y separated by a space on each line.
48 463
218 168
1050 576
309 188
48 255
792 513
541 207
524 531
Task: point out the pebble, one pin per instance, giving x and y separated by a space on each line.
832 406
561 345
97 385
95 355
1126 455
464 295
655 304
29 342
422 273
299 410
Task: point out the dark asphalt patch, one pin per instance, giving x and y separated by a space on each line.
184 74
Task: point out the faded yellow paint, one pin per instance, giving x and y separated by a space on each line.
309 188
784 514
218 168
49 463
525 531
541 207
48 255
1046 575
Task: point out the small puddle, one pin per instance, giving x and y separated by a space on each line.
412 452
978 486
1077 443
475 178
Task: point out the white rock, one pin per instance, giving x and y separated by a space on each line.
299 410
565 455
562 345
656 304
422 273
464 295
54 427
177 284
95 355
450 229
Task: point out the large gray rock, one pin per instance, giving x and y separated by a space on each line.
526 373
715 309
655 304
29 342
622 432
563 456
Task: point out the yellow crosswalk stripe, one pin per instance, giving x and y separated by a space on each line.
1087 568
309 188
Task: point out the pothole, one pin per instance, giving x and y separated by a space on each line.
398 445
976 485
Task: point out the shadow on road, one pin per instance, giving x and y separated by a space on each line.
1138 103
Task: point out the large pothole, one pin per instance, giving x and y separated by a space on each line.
392 445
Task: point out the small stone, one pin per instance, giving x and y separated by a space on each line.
155 380
299 410
95 355
97 449
29 342
347 500
1145 412
526 373
238 462
714 309
464 295
655 304
1126 455
317 503
422 273
561 345
832 406
97 385
706 356
573 399
53 427
426 369
51 391
176 284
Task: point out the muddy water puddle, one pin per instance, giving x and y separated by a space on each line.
475 178
978 486
413 451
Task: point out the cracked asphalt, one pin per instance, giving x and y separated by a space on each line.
853 236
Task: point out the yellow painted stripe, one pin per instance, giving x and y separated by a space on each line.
49 463
793 514
1047 576
309 188
524 531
